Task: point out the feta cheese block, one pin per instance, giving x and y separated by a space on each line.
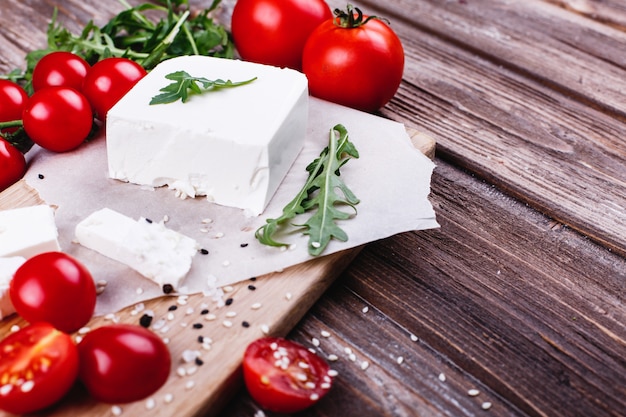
8 266
156 252
28 231
232 145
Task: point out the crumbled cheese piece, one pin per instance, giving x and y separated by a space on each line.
156 252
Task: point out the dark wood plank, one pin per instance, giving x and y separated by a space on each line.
501 298
507 98
610 12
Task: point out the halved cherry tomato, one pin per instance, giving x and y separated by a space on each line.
60 68
273 32
120 363
12 164
354 60
58 118
108 81
13 99
55 288
38 366
283 376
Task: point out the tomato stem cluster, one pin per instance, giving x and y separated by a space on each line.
353 17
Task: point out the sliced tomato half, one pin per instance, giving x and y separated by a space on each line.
38 366
283 376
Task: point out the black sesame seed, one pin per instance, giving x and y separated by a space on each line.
253 279
145 320
172 307
244 245
149 221
229 301
198 325
204 251
205 311
40 176
251 287
168 288
199 361
200 339
245 324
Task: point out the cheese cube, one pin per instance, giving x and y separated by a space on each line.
8 266
232 145
156 252
28 231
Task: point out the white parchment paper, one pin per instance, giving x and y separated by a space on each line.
391 178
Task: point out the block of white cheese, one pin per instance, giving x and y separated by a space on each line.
8 266
28 231
232 145
156 252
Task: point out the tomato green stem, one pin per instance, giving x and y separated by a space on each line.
352 17
11 123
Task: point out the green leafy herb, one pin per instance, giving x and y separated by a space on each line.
319 193
147 33
185 85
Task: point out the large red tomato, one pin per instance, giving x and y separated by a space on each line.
283 376
354 60
55 288
120 363
108 81
38 366
12 164
273 32
58 118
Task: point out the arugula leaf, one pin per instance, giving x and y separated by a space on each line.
319 193
184 85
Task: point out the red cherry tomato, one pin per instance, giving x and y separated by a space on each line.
55 288
108 81
58 118
38 366
354 60
273 32
13 99
283 376
121 363
60 68
12 164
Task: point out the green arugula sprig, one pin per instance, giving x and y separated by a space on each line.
319 193
147 33
185 85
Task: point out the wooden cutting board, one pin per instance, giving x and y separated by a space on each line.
268 305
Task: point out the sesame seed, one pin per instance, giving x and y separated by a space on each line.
168 288
180 371
259 413
414 338
170 316
442 377
399 360
288 296
486 405
207 221
251 287
332 357
473 392
210 317
199 362
198 325
228 288
226 263
192 370
116 410
229 301
255 306
139 291
315 342
172 307
27 386
231 314
245 324
189 311
316 245
365 309
325 333
352 357
227 323
365 365
40 176
83 330
168 398
325 385
314 397
332 373
347 350
150 403
219 235
149 221
190 384
166 218
145 320
244 245
204 251
265 329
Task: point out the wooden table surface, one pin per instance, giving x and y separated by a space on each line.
516 305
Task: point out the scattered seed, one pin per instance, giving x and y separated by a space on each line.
226 263
332 357
229 301
245 324
199 362
442 377
365 365
198 325
168 398
365 309
210 317
228 288
139 291
473 392
315 341
352 357
255 306
204 251
414 338
190 384
219 235
145 320
181 372
265 329
40 176
251 287
325 333
172 307
244 245
231 314
227 323
168 288
399 360
150 403
27 386
486 405
288 296
116 410
316 245
332 373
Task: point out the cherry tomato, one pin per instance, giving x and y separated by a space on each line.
60 68
55 288
121 363
354 60
12 102
273 32
283 376
38 366
58 118
12 164
108 81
